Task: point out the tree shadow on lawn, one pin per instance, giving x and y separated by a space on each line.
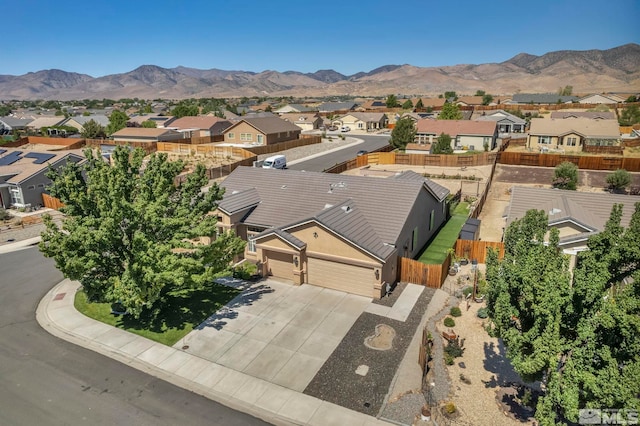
496 361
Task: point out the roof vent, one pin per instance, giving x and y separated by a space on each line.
554 211
327 206
346 209
283 187
234 192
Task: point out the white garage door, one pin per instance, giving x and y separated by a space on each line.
340 276
280 264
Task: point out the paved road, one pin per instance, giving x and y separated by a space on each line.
323 162
44 380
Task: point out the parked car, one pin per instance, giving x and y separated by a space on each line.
345 129
332 128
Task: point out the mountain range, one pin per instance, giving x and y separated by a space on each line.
589 71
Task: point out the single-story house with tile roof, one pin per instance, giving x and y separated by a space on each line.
336 106
576 215
80 120
45 121
294 108
9 124
160 120
429 102
365 121
593 115
469 100
22 174
507 123
335 231
261 131
542 98
464 133
373 104
203 125
306 121
601 99
142 134
572 134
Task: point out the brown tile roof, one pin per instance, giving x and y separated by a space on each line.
456 127
300 117
203 122
470 100
270 125
430 102
605 115
583 126
289 196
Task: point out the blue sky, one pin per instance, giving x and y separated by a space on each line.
99 37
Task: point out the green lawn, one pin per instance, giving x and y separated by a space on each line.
436 251
179 316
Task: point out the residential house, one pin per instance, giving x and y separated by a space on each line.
576 215
45 121
80 120
373 104
22 174
142 134
609 99
465 134
469 100
331 230
507 123
542 98
289 108
160 120
593 115
306 121
200 126
261 131
571 135
334 107
428 103
10 124
364 121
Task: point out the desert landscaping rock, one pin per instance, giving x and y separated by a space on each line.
382 340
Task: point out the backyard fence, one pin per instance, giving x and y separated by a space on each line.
51 202
582 161
477 249
282 146
416 272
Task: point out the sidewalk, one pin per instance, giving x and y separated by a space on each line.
270 402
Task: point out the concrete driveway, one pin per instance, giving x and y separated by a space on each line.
277 332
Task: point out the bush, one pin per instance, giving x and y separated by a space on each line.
483 313
450 408
4 214
565 176
448 359
467 291
449 322
455 312
454 348
245 271
619 179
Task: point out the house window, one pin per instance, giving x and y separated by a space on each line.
360 126
432 219
31 187
572 141
248 137
544 140
260 138
231 135
16 196
41 185
414 240
252 231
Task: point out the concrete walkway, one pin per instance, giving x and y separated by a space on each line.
272 402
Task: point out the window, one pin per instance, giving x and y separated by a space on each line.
360 125
16 196
432 219
260 139
414 241
41 185
544 140
572 141
248 137
231 135
31 187
252 231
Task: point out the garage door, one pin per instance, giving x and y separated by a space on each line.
280 264
340 276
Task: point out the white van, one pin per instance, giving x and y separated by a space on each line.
275 162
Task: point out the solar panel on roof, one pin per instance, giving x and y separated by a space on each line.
2 151
10 158
40 158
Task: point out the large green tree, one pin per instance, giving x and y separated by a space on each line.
117 120
578 335
630 116
407 104
129 233
92 130
149 124
392 101
442 145
184 109
450 112
403 132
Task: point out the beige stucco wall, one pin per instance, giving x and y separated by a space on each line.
567 229
328 243
243 128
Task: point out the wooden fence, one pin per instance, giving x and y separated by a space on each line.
148 147
486 158
206 150
582 161
416 272
477 249
218 172
51 202
630 143
282 146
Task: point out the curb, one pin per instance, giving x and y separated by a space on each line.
19 245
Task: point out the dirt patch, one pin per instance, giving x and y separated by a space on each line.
382 340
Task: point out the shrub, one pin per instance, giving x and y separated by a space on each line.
245 271
4 214
454 348
449 322
467 291
565 176
448 359
619 179
483 313
455 312
450 408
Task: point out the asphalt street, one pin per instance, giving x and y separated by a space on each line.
47 381
321 163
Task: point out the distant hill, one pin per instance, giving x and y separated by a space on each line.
589 71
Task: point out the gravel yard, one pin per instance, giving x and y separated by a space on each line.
305 151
